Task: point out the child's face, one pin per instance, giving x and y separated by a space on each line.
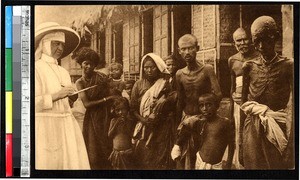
128 88
170 65
115 72
207 107
121 110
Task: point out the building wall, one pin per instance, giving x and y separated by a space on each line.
204 27
213 26
287 31
108 43
229 21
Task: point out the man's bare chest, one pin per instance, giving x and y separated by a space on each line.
194 81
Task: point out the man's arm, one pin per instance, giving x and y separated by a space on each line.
183 134
245 92
246 82
180 94
214 82
232 75
232 88
231 147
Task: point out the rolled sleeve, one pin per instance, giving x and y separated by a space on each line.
43 102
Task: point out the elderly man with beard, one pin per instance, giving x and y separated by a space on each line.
267 86
245 53
191 82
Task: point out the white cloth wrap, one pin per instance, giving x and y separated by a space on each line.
269 119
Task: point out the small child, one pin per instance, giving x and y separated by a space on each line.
210 133
128 87
120 131
172 68
117 85
171 64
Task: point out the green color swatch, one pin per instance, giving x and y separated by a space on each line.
8 69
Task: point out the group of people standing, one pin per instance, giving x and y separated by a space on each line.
169 119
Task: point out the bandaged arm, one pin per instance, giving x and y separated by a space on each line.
182 137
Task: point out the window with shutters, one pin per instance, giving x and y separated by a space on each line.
131 47
134 52
117 38
161 44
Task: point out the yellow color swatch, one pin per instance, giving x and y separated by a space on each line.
8 112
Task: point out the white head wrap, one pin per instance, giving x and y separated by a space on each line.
160 63
45 43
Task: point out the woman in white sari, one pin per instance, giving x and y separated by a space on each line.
151 103
59 143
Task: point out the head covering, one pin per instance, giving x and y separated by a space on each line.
264 26
53 31
46 45
161 65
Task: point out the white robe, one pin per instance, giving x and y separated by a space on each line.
59 144
237 122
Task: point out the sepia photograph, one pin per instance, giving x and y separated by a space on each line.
164 87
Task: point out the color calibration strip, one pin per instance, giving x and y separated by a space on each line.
25 88
8 90
16 86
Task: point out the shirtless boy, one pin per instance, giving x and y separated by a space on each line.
210 132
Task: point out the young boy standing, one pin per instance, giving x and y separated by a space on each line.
210 133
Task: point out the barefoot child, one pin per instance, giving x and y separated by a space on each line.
120 131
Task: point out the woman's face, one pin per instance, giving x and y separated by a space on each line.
88 67
150 69
57 48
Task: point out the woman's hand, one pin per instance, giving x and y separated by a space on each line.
64 92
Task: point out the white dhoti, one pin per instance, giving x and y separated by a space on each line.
237 123
201 165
